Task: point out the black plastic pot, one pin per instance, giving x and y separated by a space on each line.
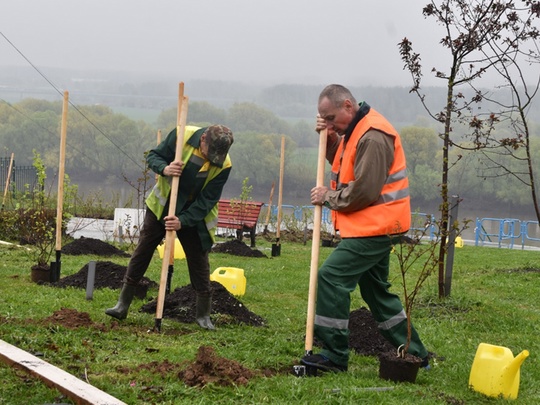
398 369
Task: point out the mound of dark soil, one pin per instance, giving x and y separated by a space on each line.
210 368
90 246
180 305
237 248
71 318
299 236
108 275
364 336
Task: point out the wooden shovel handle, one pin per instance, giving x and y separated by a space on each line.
171 235
314 266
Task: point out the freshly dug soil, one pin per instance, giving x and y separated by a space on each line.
71 318
364 336
108 275
91 246
237 248
180 305
209 368
300 236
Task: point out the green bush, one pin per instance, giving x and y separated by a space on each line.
9 226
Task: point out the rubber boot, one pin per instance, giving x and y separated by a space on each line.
203 305
120 311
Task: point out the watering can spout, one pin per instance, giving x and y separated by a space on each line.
511 371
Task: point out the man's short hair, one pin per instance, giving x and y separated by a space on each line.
337 94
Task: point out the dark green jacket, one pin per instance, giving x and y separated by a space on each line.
199 190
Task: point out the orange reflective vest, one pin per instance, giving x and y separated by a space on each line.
391 213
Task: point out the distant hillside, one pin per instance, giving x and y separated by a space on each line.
133 95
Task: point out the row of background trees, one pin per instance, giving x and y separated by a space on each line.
105 150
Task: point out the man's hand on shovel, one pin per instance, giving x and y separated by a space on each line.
318 195
174 169
172 223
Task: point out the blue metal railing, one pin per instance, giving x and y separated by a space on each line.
525 235
423 224
499 232
505 232
420 222
299 212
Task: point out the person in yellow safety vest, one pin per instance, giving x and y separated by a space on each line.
203 170
370 203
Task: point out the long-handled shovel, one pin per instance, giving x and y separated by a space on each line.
276 247
8 179
301 371
170 270
171 235
55 266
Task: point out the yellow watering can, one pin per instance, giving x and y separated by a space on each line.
232 278
495 371
178 250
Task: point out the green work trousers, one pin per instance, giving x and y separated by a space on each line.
364 262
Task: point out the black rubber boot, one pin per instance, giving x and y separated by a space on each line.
120 311
203 306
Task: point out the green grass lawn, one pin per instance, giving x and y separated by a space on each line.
494 299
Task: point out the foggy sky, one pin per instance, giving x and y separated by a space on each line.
351 42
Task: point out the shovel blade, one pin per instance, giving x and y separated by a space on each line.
55 271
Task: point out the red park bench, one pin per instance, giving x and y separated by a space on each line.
239 215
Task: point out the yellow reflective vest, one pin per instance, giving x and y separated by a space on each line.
158 197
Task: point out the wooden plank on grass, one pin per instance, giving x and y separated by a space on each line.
75 389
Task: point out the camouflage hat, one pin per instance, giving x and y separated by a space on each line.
220 139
